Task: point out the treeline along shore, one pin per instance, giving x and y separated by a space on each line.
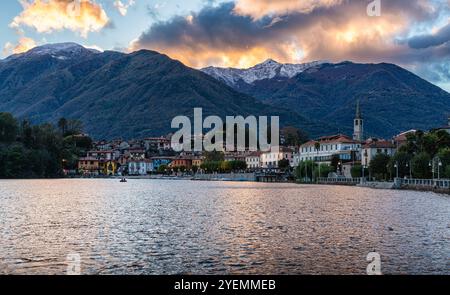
39 151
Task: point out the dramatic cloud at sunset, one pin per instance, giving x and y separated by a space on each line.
245 32
23 45
46 16
260 8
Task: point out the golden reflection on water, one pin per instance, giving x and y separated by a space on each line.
159 227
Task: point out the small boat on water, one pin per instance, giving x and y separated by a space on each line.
123 180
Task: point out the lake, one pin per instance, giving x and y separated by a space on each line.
189 227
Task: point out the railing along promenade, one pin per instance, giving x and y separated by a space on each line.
423 183
339 180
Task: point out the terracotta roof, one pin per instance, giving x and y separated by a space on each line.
403 136
339 138
379 144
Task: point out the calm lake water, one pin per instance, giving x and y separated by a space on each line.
187 227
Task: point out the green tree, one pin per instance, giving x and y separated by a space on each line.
403 159
162 169
356 171
8 128
293 136
335 162
379 166
305 170
62 125
284 164
421 165
444 156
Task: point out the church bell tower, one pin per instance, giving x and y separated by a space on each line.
358 124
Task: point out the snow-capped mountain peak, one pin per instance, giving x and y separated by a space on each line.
58 50
269 69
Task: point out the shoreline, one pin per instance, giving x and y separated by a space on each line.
371 185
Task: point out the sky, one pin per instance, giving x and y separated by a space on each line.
414 34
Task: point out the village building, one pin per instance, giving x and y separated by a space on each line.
270 160
181 162
198 161
323 149
402 138
373 148
253 160
160 161
140 167
88 166
157 144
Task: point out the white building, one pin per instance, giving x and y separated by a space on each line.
253 160
270 160
323 149
371 149
140 167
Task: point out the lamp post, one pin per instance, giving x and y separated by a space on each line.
431 165
363 179
396 169
439 169
408 165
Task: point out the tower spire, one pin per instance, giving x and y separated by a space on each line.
358 110
358 124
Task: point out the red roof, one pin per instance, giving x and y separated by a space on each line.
380 144
339 138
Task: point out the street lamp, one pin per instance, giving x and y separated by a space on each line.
439 169
408 165
396 168
363 179
431 165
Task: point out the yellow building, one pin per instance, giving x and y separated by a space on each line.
108 167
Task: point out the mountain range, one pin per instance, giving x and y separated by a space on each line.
392 99
119 95
138 94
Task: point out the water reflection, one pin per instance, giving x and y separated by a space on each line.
172 227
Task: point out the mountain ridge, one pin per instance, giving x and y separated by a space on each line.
392 98
121 95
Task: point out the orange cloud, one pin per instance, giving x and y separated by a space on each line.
23 45
46 16
260 8
221 37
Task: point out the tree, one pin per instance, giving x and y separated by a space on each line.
324 170
444 156
8 128
74 127
379 166
62 125
214 156
421 165
335 159
356 171
403 160
162 169
305 170
284 164
195 169
293 136
37 150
